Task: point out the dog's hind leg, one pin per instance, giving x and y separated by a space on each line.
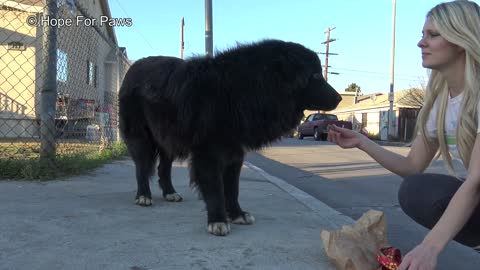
143 153
206 171
231 178
165 178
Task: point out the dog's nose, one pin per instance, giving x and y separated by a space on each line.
339 98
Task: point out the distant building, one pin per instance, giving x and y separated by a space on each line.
348 99
370 114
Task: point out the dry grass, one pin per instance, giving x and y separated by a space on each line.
31 149
21 159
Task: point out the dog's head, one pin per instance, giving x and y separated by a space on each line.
301 68
319 94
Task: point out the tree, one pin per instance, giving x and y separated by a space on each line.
353 87
413 97
416 94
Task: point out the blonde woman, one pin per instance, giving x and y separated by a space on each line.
448 123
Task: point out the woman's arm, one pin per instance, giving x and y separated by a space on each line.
417 161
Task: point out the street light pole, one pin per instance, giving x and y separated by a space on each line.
391 116
182 42
208 28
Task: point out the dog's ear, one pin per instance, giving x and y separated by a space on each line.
292 70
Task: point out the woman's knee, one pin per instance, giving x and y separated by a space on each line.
411 188
427 188
424 197
418 195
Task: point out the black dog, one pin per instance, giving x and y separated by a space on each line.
213 110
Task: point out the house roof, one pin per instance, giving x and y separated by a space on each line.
348 99
402 99
110 29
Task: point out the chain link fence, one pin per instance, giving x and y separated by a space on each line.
58 83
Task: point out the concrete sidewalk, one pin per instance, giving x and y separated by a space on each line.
91 222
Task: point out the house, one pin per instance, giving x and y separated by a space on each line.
348 99
19 44
370 113
90 67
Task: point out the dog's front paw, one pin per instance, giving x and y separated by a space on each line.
219 228
144 201
243 219
174 197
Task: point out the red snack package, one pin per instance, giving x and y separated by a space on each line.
389 258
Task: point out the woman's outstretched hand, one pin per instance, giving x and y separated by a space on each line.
421 257
345 138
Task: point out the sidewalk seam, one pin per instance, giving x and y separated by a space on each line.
335 218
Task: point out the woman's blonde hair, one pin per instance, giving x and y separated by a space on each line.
459 23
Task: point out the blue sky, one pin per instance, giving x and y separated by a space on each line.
363 32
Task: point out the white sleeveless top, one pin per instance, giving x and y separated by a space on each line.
451 120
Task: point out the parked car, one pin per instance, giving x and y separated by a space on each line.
316 125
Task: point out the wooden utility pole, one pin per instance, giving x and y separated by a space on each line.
327 52
182 43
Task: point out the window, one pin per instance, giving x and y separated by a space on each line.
91 74
310 118
364 120
62 66
331 117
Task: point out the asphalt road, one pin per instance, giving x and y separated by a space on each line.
352 183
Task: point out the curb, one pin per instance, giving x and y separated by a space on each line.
335 218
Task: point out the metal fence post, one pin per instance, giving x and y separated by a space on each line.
49 87
118 85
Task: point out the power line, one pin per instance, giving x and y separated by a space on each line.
374 72
119 5
373 76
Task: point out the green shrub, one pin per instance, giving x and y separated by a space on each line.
374 136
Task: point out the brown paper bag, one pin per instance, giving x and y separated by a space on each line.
354 247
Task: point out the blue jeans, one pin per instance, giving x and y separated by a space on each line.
424 197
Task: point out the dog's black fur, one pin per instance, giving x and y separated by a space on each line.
213 110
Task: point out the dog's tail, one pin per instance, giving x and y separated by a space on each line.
135 132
